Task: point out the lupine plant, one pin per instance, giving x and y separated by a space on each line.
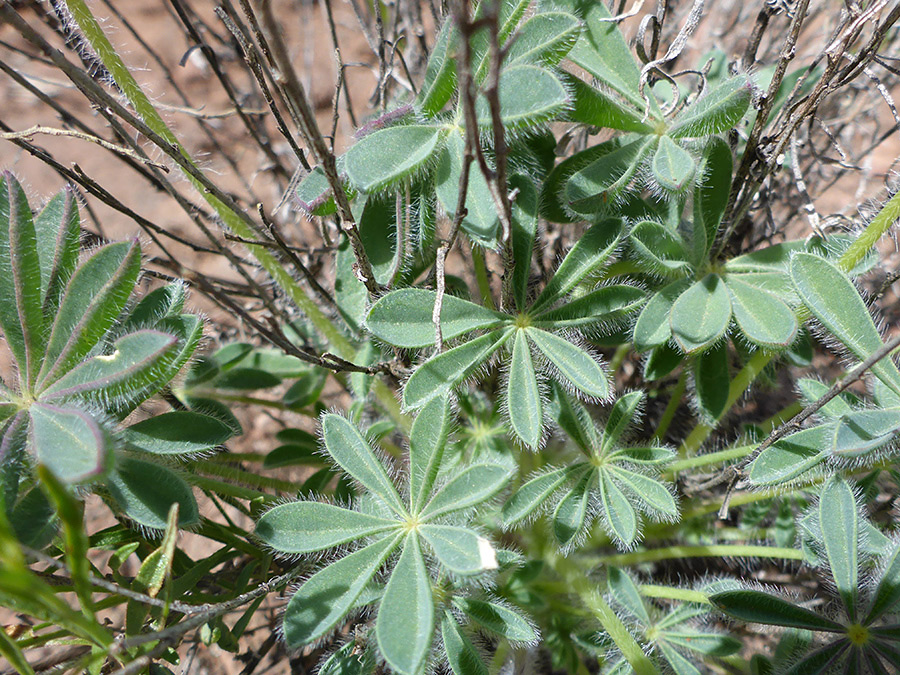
507 387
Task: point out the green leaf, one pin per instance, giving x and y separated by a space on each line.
598 310
887 593
178 432
573 363
307 389
700 316
476 484
378 222
523 398
813 390
591 106
313 194
571 512
709 644
390 156
603 52
625 593
572 416
69 442
94 298
553 205
58 235
274 361
618 513
791 456
10 651
348 660
680 664
673 167
352 453
661 361
711 194
481 221
509 13
838 508
292 454
132 367
304 527
524 229
586 256
762 317
862 431
545 38
461 653
833 300
759 607
440 75
822 660
427 440
330 593
529 95
653 328
712 380
350 294
21 316
596 186
717 111
497 619
403 317
157 567
145 492
656 499
442 372
659 250
532 495
624 414
33 519
167 301
459 549
405 620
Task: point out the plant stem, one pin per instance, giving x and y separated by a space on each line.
579 582
710 458
683 594
481 276
711 551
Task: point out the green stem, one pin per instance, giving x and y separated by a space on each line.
711 551
683 594
671 407
874 231
481 277
618 357
245 477
579 583
711 458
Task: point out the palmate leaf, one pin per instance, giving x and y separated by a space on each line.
58 234
571 512
700 315
673 167
403 317
592 189
179 432
619 517
574 364
762 317
659 250
305 527
69 442
462 655
460 550
887 592
833 300
441 373
523 398
653 328
712 380
544 38
532 495
553 204
524 229
476 484
759 607
352 453
838 508
717 111
591 106
390 156
405 620
481 221
711 194
378 225
327 596
145 491
529 95
440 75
605 307
93 299
428 438
497 618
21 315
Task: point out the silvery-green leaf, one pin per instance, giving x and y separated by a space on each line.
625 593
679 664
861 431
838 508
58 233
329 594
652 328
792 455
700 315
813 390
711 194
304 527
762 317
661 361
441 373
405 621
596 186
481 221
758 607
460 550
145 491
656 499
426 448
602 309
461 653
624 414
716 111
553 204
571 512
572 416
573 363
532 494
496 618
403 317
349 449
887 593
659 250
712 380
69 442
177 432
673 167
524 229
618 513
592 106
529 95
835 302
545 38
379 227
476 484
350 294
587 255
389 156
440 75
523 398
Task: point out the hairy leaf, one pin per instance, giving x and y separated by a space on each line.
145 492
573 363
759 607
596 186
523 398
304 527
69 442
717 111
476 484
673 167
545 38
440 75
496 618
459 549
763 318
700 316
390 156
